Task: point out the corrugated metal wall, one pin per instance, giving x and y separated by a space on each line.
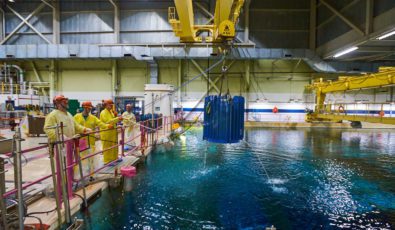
273 24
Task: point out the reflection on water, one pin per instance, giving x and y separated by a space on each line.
292 179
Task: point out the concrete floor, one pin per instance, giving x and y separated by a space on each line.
36 164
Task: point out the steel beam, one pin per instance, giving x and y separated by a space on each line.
313 24
208 13
114 78
334 15
175 51
197 66
39 79
28 24
20 25
204 10
53 79
179 76
2 24
247 21
342 17
382 56
209 89
364 57
247 81
48 4
117 20
56 22
247 75
369 17
376 49
381 24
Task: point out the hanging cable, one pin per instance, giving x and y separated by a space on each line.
190 80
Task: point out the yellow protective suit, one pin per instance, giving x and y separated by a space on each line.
70 126
91 122
129 121
109 138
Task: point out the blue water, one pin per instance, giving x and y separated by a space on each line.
292 179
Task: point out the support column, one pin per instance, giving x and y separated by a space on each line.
369 17
2 24
247 85
114 79
313 24
247 21
117 21
153 67
39 79
53 79
179 74
56 22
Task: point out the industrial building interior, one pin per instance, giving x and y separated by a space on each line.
197 114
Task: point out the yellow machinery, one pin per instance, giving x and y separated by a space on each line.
385 77
223 24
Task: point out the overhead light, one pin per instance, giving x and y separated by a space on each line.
349 50
11 0
386 35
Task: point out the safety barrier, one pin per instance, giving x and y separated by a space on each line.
148 135
385 109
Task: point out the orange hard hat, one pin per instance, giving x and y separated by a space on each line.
87 104
59 98
108 102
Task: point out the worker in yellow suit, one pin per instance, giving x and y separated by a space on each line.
88 120
58 115
71 129
109 138
129 123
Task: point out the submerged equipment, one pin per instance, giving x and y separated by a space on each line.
223 119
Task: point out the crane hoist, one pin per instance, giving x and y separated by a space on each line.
322 112
221 28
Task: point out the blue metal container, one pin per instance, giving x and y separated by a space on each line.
223 119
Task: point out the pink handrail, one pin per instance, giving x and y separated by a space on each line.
121 143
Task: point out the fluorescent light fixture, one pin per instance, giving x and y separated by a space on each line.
349 50
386 35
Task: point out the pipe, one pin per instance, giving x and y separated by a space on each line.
31 83
5 72
38 83
20 76
18 178
22 84
11 86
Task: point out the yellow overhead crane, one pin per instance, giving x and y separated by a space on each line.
385 77
223 25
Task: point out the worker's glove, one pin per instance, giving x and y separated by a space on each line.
87 130
120 118
110 126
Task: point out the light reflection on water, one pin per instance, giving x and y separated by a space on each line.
292 179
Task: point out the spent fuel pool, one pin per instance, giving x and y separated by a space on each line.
291 179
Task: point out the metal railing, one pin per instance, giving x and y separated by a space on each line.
381 109
148 135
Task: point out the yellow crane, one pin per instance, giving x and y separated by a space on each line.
222 26
323 112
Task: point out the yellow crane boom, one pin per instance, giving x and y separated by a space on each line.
385 77
222 29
